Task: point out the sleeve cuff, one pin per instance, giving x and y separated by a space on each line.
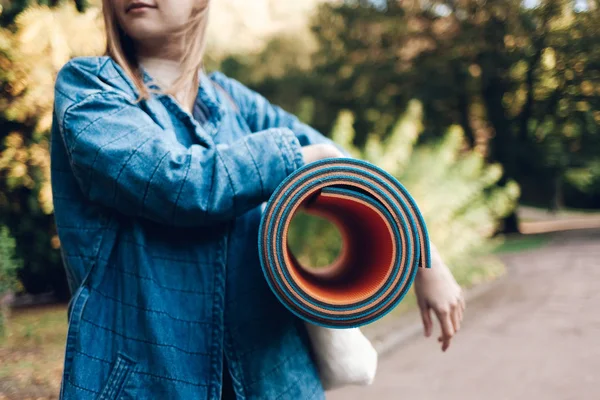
291 149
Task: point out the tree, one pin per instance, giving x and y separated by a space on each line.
32 50
483 66
10 9
456 191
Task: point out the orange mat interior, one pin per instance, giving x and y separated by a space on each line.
367 257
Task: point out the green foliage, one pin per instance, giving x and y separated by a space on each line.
9 265
39 41
13 8
314 241
457 192
516 243
522 83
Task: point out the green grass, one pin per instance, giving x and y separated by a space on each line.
565 210
32 352
517 243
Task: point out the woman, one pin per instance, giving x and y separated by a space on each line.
158 172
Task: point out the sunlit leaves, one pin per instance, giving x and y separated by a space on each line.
456 189
32 50
44 40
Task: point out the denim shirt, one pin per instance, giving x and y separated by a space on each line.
158 214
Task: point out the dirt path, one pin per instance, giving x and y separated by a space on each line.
536 335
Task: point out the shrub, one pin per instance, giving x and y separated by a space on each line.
455 189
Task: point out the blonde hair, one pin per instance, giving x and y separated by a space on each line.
120 48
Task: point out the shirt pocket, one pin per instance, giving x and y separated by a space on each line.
117 378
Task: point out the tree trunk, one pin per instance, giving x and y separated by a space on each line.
558 198
510 224
504 146
465 122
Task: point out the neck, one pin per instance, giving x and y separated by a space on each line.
165 72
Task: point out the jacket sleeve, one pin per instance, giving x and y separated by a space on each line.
122 159
260 114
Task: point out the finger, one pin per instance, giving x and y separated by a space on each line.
445 322
460 313
463 304
455 317
445 342
426 317
447 329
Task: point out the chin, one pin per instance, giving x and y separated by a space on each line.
144 29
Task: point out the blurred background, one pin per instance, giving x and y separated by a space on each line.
487 111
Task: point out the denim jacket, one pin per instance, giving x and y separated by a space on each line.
158 215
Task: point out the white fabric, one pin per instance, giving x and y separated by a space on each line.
344 356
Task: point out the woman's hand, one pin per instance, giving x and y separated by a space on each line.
437 290
316 152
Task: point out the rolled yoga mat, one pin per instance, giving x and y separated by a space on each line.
384 242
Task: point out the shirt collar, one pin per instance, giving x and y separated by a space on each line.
206 94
